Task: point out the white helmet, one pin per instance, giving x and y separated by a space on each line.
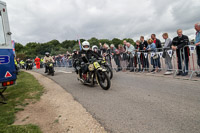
84 44
94 47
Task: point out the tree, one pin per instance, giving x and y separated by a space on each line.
130 40
116 41
19 48
102 41
93 41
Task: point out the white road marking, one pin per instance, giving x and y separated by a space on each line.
64 72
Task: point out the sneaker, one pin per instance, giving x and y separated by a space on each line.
185 74
198 75
168 73
179 73
153 70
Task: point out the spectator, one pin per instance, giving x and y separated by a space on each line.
139 47
197 43
145 61
105 50
168 58
158 46
123 60
125 42
179 44
130 51
154 59
115 53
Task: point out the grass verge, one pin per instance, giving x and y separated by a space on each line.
18 96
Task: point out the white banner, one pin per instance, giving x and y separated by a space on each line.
152 54
145 55
169 53
192 49
160 54
138 53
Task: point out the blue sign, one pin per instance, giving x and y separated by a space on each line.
4 59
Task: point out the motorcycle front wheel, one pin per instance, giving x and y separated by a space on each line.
103 80
109 71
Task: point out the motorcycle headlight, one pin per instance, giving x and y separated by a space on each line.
91 67
51 65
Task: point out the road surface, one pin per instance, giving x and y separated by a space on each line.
138 103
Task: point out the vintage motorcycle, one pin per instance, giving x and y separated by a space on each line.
29 66
50 68
95 74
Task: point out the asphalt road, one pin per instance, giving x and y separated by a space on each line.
138 103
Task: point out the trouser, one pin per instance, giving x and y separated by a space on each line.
37 65
70 62
117 61
198 55
185 60
139 63
146 62
155 62
168 62
131 63
159 64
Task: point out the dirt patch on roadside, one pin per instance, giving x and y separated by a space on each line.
57 111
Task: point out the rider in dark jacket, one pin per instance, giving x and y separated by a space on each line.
86 54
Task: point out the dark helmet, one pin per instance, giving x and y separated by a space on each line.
47 54
74 51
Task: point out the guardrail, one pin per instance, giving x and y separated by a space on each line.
179 60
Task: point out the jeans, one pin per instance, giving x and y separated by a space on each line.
168 62
117 61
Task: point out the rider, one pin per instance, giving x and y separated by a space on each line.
85 55
28 61
96 50
47 59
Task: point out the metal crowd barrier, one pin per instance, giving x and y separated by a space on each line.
143 59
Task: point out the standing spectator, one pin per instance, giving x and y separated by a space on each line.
154 60
115 53
130 49
158 46
125 42
122 59
197 43
145 61
179 44
105 50
37 62
168 59
138 57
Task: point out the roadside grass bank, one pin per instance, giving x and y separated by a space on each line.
26 91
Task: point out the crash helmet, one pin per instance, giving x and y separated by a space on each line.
94 48
47 54
86 45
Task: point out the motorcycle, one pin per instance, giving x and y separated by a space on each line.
95 74
29 66
50 68
105 65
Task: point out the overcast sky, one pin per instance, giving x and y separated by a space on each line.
45 20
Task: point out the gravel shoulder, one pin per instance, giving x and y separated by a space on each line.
57 111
